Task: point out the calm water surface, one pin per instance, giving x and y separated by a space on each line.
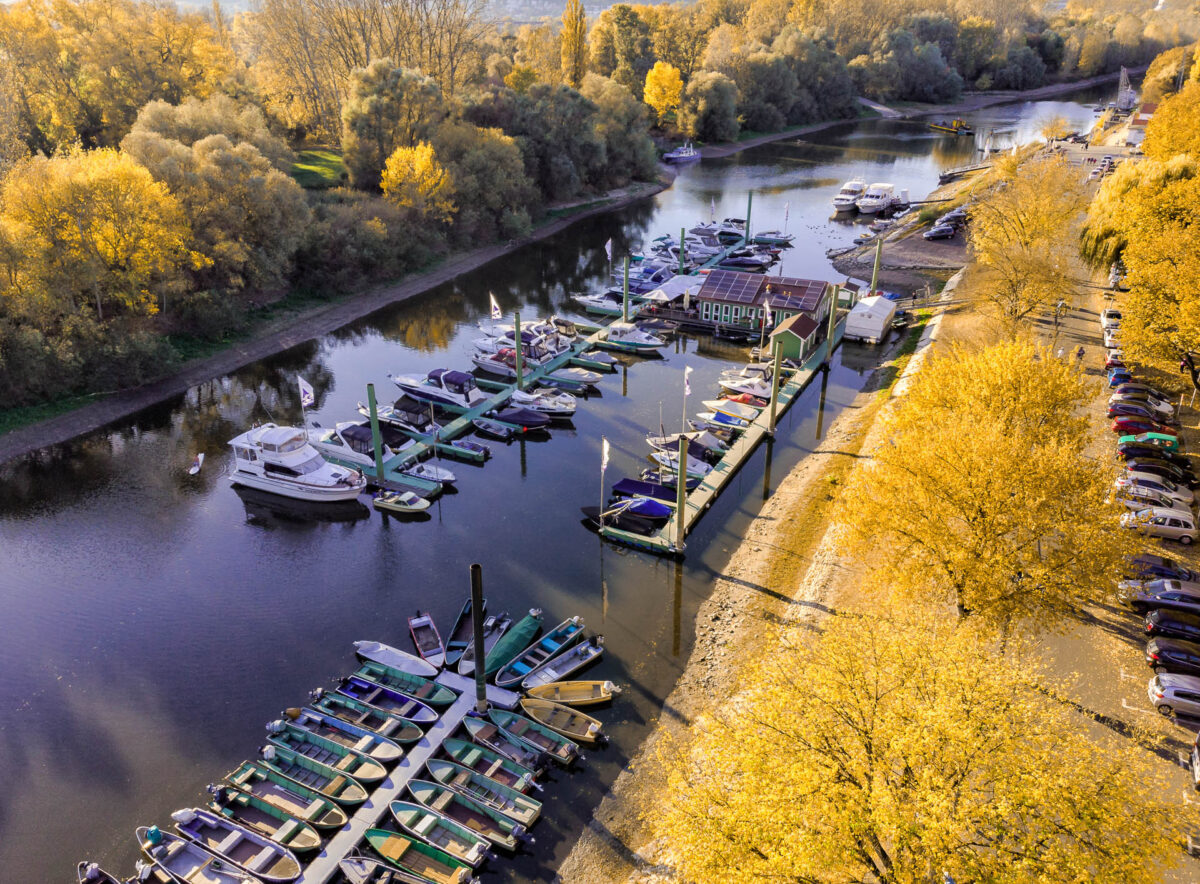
154 621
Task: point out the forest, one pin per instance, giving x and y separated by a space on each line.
150 201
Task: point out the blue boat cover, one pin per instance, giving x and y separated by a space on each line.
637 488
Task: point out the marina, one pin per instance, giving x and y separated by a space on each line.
270 593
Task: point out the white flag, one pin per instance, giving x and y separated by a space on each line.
712 208
608 249
603 453
786 208
687 387
495 307
768 320
307 397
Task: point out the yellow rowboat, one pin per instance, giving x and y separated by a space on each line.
562 719
575 693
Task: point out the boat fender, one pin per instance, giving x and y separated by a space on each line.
292 712
154 836
184 816
268 753
92 872
275 727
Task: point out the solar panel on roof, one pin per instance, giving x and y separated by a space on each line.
729 285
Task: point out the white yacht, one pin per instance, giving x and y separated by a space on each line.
548 402
876 198
406 413
629 338
847 197
453 389
669 460
280 460
350 442
502 360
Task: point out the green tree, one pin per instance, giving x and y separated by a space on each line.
574 43
414 179
901 749
387 107
709 109
621 47
493 194
664 89
520 78
622 126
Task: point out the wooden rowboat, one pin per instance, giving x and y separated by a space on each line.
567 721
488 734
429 692
266 819
576 693
352 736
333 784
395 658
440 832
513 641
426 639
254 853
416 858
486 791
493 629
368 717
287 735
462 633
534 735
288 796
368 870
491 824
566 663
553 643
186 862
491 764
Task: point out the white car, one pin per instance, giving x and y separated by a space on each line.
1172 524
1110 317
1111 338
1160 407
1149 482
1175 693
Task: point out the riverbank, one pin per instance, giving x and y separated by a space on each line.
295 330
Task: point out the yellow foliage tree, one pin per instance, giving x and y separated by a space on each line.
96 228
983 491
664 87
574 43
1024 235
901 750
1175 127
520 78
413 178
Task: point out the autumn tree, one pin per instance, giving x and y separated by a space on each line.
904 750
96 232
621 47
1024 232
709 108
1175 127
387 107
414 179
539 48
621 124
574 43
520 78
492 191
664 89
982 493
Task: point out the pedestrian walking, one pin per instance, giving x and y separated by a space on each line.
1079 355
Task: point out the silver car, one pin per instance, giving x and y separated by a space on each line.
1174 595
1159 522
1175 694
1132 480
1140 498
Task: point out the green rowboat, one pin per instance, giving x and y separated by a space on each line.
495 826
395 728
259 815
336 756
491 764
485 733
515 640
486 791
302 802
536 736
416 858
440 832
336 786
414 686
541 651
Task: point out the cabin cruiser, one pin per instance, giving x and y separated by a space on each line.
627 336
646 277
453 389
876 198
553 325
406 414
350 442
847 198
280 460
685 153
607 303
726 229
503 360
754 379
548 402
534 340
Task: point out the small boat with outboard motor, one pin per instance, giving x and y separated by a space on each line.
669 460
501 830
414 685
513 641
576 693
489 763
570 661
535 735
266 819
619 517
366 716
494 429
185 862
526 419
263 858
487 734
331 783
418 858
402 502
493 628
569 722
552 403
440 831
486 791
90 873
387 699
322 724
629 338
304 802
552 643
395 658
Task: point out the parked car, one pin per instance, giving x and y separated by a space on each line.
1161 623
1140 498
1135 387
1110 317
1178 694
1114 359
1161 407
957 217
1132 409
1112 338
1196 762
1157 467
940 231
1165 441
1173 655
1164 522
1173 595
1118 376
1144 451
1149 482
1126 424
1148 566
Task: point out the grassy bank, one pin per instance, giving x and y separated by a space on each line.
319 168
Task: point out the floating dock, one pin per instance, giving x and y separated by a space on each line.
324 866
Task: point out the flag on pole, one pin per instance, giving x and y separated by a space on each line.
712 208
307 397
768 320
608 249
603 453
787 207
687 386
496 314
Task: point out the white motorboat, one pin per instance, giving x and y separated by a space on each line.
280 460
629 338
430 472
720 419
451 389
685 153
503 361
875 198
726 229
703 438
406 414
669 460
847 198
733 409
395 658
608 303
349 443
758 387
548 402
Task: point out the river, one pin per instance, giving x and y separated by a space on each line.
155 621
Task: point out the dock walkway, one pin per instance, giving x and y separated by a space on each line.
324 867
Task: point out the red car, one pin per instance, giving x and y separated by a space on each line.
1113 361
1127 425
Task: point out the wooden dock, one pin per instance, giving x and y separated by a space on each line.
324 866
669 541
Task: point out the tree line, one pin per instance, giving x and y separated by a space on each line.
147 150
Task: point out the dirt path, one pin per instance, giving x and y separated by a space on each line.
292 332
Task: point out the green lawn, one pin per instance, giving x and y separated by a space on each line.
318 168
13 418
